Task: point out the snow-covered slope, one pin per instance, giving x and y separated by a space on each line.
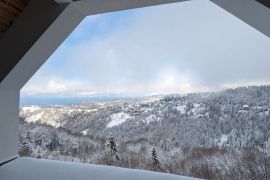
117 119
33 169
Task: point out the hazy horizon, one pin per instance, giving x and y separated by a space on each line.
58 100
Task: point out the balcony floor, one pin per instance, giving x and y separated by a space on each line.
33 169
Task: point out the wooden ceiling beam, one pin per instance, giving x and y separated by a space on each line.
7 15
4 22
9 11
15 3
9 8
3 28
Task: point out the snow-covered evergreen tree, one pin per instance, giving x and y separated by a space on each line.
26 148
155 161
36 153
111 150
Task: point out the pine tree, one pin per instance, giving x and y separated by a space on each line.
26 148
111 150
155 160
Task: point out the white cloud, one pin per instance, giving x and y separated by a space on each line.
55 86
186 47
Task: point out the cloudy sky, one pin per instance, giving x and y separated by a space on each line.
179 48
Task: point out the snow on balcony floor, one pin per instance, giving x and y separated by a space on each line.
33 169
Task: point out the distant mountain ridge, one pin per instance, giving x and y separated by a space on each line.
32 100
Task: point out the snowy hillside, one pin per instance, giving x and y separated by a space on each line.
208 135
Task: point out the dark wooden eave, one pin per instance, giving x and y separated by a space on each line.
21 33
9 11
